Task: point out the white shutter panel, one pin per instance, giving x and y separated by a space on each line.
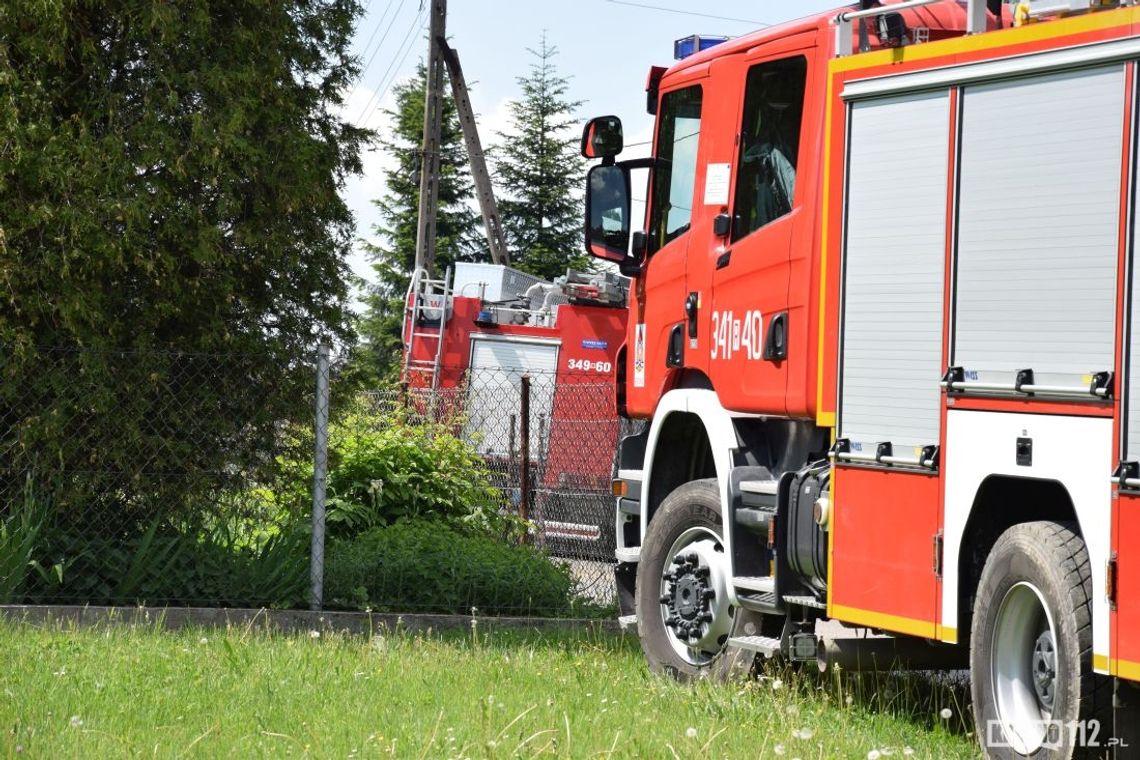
1038 227
893 273
493 389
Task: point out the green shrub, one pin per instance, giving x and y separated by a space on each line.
427 566
194 565
386 468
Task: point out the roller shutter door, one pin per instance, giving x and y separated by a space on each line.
893 273
1038 227
493 390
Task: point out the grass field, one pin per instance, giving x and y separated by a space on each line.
125 692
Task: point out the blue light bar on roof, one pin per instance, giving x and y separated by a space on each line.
689 45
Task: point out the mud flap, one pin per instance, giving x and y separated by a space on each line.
1126 719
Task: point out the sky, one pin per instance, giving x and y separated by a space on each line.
605 48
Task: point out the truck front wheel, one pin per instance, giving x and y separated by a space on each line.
683 613
1034 692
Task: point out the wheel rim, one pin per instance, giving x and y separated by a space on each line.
694 596
1023 668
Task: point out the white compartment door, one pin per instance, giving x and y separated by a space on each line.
493 391
1038 227
893 280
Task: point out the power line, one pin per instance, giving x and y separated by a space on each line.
393 67
380 44
686 13
376 28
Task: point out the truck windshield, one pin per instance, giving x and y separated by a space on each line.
675 171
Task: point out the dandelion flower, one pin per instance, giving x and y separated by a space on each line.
777 684
314 634
849 700
946 713
691 732
76 721
805 734
874 754
778 749
203 640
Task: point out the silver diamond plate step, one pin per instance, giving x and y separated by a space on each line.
764 645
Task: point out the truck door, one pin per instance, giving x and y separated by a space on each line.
758 193
660 333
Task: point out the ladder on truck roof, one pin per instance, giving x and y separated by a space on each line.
976 12
425 295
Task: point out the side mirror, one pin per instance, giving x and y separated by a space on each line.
602 137
607 212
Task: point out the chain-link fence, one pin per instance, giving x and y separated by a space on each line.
562 447
157 477
201 479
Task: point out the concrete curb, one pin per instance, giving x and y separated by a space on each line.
283 621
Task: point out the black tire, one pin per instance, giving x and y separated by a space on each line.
1035 592
693 505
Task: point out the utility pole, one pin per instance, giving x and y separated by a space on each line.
429 152
479 174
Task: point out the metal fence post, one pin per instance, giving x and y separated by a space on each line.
524 451
320 473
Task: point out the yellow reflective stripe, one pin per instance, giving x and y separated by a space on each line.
884 621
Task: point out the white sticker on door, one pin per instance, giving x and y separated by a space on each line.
716 184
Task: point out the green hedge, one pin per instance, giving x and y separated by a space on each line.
428 566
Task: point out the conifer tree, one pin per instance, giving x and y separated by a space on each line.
540 173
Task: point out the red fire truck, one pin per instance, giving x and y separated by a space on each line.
471 336
885 326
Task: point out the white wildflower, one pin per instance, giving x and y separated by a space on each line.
946 713
691 732
203 640
849 700
314 634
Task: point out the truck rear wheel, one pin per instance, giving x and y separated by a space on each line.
1034 691
683 614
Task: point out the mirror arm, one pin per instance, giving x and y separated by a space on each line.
639 163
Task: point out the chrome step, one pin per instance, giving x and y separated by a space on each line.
765 645
806 601
766 487
765 583
632 554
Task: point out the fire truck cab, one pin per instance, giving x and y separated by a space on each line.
882 323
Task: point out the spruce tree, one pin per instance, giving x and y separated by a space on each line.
458 228
541 174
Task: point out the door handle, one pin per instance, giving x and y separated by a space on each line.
776 341
692 305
